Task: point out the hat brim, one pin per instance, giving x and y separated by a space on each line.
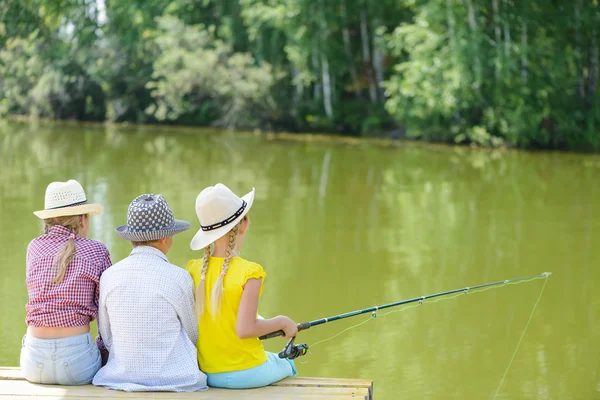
177 227
89 209
204 238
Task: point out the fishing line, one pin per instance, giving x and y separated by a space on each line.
520 339
373 316
345 330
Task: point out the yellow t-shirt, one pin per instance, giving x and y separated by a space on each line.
219 347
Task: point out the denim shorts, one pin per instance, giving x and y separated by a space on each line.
273 370
68 361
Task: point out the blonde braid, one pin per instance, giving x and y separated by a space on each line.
200 289
217 293
65 255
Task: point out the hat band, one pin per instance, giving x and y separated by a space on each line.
69 205
226 221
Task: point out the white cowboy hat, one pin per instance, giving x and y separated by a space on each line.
218 210
149 218
66 199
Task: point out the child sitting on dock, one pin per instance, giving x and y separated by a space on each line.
228 288
147 308
62 276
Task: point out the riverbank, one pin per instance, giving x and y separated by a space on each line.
302 137
306 137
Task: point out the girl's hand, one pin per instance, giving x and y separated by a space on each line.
289 327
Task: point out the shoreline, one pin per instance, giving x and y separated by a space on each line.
301 137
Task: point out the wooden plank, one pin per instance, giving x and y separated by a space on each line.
21 388
198 397
339 382
327 382
12 373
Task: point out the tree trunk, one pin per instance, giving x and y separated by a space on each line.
506 34
497 37
348 51
452 35
451 27
364 34
326 86
524 51
260 47
578 57
298 92
315 66
325 77
593 64
477 62
378 63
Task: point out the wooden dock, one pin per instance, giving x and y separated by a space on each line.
13 386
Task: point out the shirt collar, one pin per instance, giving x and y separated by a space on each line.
59 230
149 250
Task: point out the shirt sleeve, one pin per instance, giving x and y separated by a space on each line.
104 339
186 310
255 271
191 265
106 262
194 267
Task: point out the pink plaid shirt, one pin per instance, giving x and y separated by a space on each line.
74 301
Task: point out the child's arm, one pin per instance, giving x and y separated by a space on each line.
104 331
184 307
249 326
106 263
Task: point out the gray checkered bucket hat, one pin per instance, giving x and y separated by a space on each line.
149 217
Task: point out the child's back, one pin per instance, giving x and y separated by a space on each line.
228 289
220 349
70 302
63 270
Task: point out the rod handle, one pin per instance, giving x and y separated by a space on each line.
302 326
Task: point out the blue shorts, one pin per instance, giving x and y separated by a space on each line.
273 370
68 361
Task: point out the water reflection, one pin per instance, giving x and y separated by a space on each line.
340 227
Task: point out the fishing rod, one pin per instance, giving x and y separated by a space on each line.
292 351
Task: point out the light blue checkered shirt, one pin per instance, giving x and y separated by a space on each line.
147 320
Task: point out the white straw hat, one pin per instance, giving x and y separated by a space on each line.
218 210
65 199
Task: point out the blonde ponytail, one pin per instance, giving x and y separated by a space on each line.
66 254
217 293
200 288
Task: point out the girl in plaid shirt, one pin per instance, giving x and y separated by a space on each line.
63 271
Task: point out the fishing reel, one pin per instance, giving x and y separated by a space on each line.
292 351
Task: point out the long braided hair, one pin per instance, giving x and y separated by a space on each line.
200 287
65 255
217 292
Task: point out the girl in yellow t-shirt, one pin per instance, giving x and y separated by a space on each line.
227 291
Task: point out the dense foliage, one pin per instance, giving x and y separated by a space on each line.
489 72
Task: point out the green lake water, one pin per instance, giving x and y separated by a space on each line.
340 227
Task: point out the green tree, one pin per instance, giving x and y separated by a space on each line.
199 79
